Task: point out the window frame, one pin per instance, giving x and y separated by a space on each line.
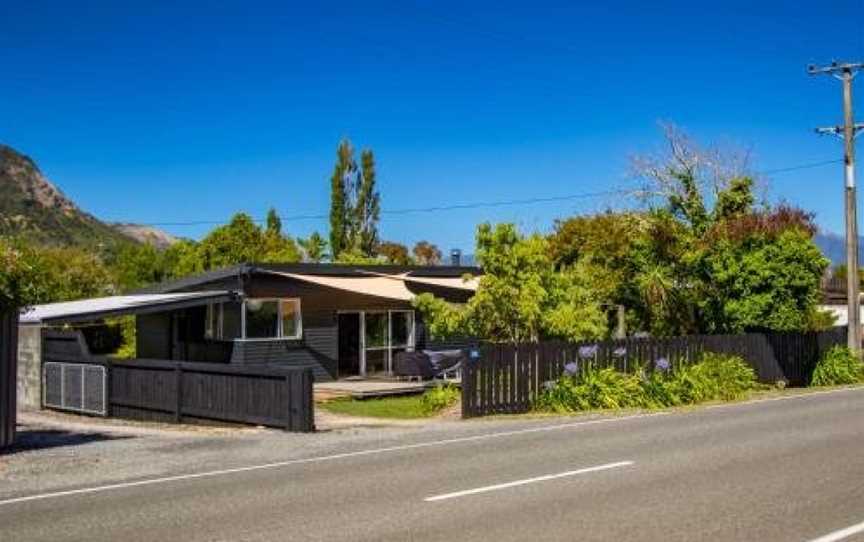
214 322
280 332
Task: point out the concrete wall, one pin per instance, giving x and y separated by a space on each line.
29 366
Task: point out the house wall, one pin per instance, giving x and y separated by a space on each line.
318 348
29 387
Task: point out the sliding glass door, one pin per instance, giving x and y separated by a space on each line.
383 335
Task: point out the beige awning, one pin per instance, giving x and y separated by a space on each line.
375 286
457 283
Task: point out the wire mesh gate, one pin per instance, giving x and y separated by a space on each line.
78 387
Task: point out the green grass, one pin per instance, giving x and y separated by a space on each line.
404 407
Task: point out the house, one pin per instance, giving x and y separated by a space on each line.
834 300
342 321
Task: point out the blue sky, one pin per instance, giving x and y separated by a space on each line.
154 113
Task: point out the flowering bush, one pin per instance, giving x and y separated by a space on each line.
713 377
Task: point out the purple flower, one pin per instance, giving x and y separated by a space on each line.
619 352
571 368
588 351
662 364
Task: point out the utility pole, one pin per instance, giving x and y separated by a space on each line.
845 72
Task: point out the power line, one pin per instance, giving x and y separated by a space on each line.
460 206
483 204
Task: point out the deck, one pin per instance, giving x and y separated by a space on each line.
365 389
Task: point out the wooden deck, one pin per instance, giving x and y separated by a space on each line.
365 389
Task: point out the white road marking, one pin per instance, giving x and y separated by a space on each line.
390 449
526 481
841 534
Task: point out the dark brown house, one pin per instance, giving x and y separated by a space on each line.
340 320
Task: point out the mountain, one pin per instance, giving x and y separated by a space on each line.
32 207
833 246
146 234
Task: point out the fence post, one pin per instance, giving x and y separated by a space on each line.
466 378
8 376
109 412
178 381
300 414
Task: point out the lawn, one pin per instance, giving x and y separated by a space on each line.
402 406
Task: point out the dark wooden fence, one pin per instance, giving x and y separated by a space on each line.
508 378
172 391
8 376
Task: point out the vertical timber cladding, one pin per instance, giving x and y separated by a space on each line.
8 376
319 347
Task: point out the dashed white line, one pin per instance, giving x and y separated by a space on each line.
516 483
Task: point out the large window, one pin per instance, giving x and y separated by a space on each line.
272 319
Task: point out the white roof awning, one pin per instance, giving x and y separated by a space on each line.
99 307
377 286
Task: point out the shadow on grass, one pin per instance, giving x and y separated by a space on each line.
30 439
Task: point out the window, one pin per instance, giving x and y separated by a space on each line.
402 329
272 319
213 322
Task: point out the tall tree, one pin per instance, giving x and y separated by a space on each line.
368 207
355 204
341 184
521 297
426 253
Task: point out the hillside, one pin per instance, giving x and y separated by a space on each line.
833 246
147 234
32 207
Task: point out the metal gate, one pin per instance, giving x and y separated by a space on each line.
79 387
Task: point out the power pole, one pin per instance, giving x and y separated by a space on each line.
845 72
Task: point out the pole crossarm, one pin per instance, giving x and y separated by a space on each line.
834 68
839 130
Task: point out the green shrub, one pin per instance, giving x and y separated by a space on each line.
713 377
438 398
594 389
838 366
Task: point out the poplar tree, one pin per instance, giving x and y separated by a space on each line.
368 207
339 194
355 204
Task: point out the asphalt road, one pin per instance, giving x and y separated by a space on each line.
790 469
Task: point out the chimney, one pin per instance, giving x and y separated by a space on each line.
455 257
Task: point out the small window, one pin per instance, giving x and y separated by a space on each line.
272 318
